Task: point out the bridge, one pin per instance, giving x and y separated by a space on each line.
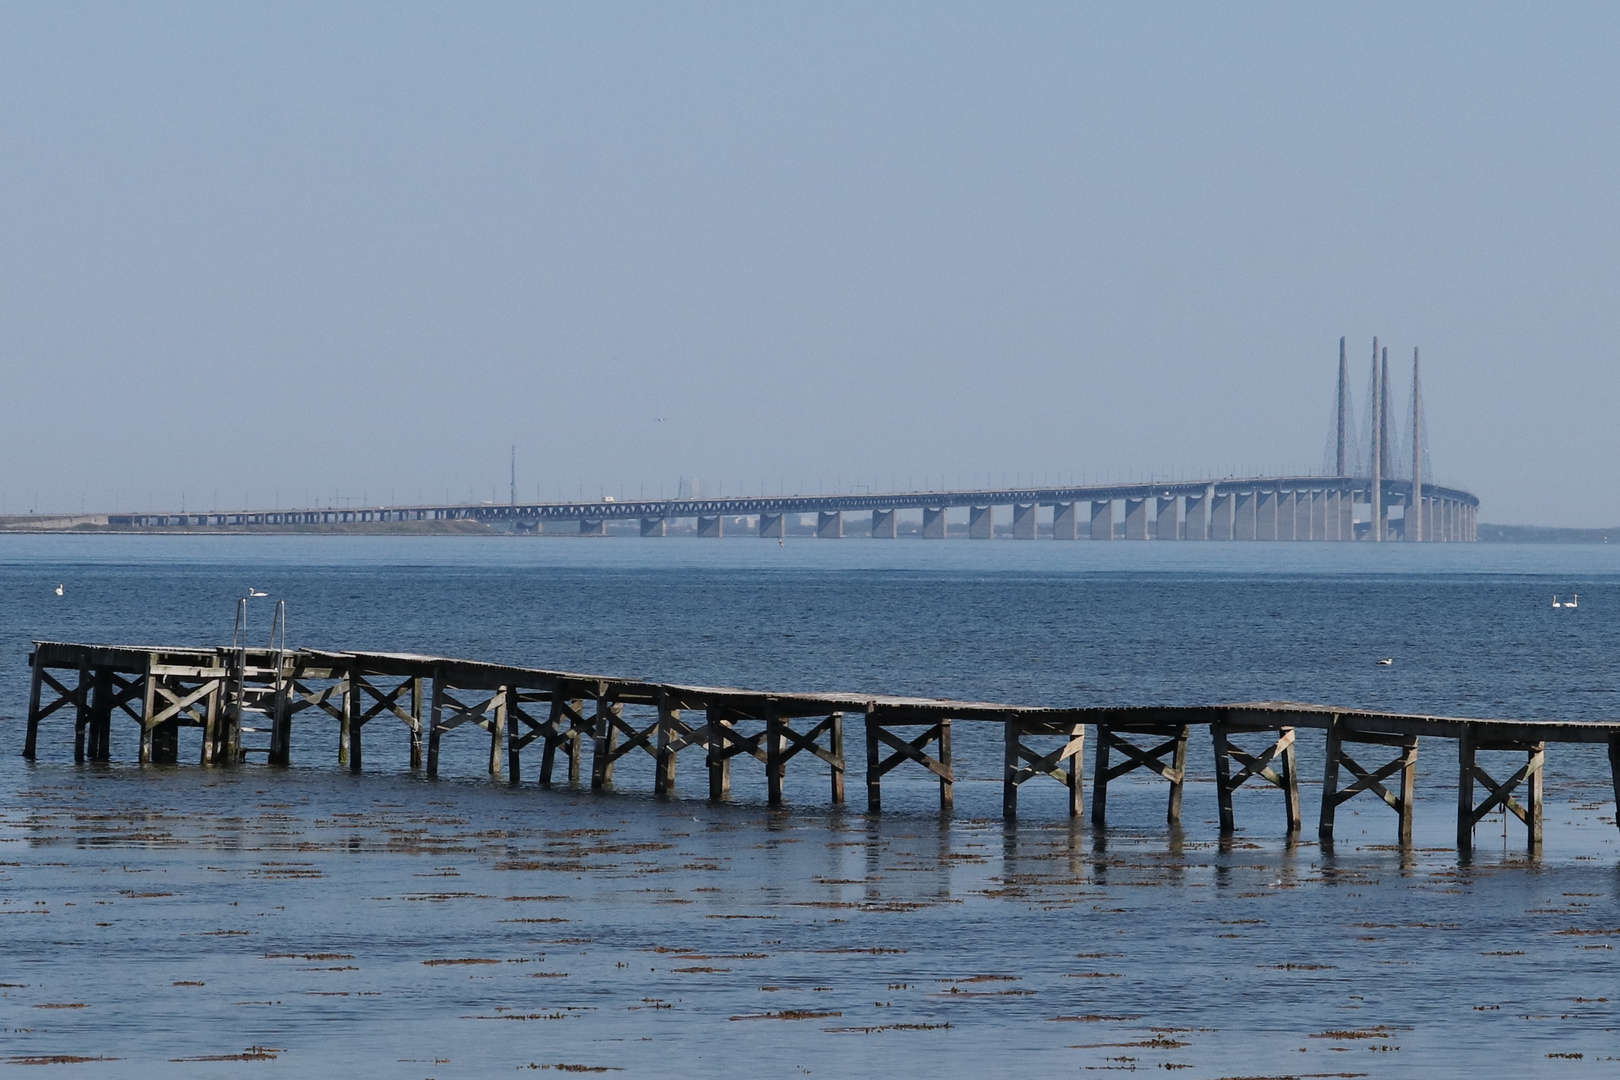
1329 508
1366 480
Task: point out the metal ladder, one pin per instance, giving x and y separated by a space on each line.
256 691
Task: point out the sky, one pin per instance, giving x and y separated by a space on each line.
326 253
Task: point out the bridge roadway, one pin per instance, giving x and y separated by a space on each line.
243 701
1259 508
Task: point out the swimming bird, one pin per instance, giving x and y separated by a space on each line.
1572 600
59 590
1386 661
254 592
1556 603
779 542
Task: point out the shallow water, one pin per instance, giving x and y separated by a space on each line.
252 920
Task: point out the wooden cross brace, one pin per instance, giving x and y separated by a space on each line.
725 742
1138 757
1279 751
879 736
782 744
356 715
1498 794
674 735
1368 780
1024 762
489 714
609 725
566 727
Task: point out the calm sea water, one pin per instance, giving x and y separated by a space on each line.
173 921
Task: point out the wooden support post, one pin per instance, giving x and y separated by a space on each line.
836 737
435 714
947 777
717 727
497 726
1465 792
99 728
1280 752
874 791
81 710
775 756
1614 773
354 719
1137 757
416 722
668 733
31 740
148 710
564 727
605 738
1330 782
514 736
280 717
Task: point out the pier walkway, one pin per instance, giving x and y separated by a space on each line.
244 702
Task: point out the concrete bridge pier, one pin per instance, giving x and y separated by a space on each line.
1315 515
1347 515
650 527
593 528
1288 516
981 523
1023 522
773 525
1265 515
933 523
1195 525
1136 519
1169 525
884 525
830 526
710 527
1243 516
1102 520
1063 522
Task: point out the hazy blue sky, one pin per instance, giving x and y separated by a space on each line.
249 251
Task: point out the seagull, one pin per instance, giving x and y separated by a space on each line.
59 590
254 592
779 543
1386 661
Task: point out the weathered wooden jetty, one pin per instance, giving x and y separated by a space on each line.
244 702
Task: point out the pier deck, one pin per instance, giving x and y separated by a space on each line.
244 701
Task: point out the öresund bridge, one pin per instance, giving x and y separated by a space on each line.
1369 490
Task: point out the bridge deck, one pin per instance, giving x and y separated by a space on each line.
167 688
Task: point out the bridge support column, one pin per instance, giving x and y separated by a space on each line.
649 527
1136 519
1244 516
1102 520
1223 517
933 523
1023 522
1288 524
772 525
1316 516
830 526
593 528
981 523
1196 526
1063 522
1169 524
1265 515
884 525
710 528
1347 515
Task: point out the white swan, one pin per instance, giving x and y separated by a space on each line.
1556 603
254 592
59 590
1572 600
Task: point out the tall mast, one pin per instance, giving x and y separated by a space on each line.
1384 454
1344 409
1414 506
514 475
1376 497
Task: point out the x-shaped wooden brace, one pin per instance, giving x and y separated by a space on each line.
674 735
567 727
725 742
65 696
489 714
1138 757
1280 751
782 744
1365 780
383 702
1024 763
610 724
1497 794
878 736
182 702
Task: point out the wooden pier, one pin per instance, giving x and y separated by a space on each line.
245 702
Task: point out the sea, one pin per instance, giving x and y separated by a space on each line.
181 921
